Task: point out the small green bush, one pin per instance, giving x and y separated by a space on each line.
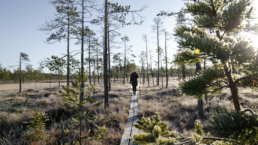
156 133
73 103
37 125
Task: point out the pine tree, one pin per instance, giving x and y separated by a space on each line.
55 63
166 57
215 24
158 24
23 57
63 25
125 39
222 19
37 125
74 103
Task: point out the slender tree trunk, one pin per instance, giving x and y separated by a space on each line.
204 67
147 63
162 77
233 88
82 58
166 60
124 63
153 80
105 57
200 108
89 62
59 77
20 74
82 67
68 53
94 72
98 64
158 53
109 55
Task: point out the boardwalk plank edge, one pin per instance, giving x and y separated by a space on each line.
130 130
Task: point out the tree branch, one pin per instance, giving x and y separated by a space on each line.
247 77
249 110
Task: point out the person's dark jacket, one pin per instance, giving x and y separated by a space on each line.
133 79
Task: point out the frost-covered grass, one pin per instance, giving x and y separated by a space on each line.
13 112
177 110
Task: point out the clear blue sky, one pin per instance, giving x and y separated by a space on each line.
20 20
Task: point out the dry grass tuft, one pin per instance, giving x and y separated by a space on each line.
179 112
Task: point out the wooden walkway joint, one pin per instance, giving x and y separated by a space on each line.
130 130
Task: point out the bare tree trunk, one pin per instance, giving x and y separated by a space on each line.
147 62
166 61
162 78
153 80
82 68
105 57
158 54
94 73
98 64
109 54
162 75
59 77
68 54
89 62
20 74
124 64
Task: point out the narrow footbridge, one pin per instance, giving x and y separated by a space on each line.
130 130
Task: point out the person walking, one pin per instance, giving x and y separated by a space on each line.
133 81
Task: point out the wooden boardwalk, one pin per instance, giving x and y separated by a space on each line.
130 130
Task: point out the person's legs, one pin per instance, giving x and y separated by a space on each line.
134 89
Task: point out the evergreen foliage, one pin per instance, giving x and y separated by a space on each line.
241 127
37 125
186 57
156 132
214 24
205 82
73 103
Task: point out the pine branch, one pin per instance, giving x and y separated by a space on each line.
218 89
184 142
249 110
247 77
215 83
224 139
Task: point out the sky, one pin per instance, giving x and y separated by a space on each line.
20 21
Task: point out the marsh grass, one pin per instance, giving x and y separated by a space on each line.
176 110
13 113
180 111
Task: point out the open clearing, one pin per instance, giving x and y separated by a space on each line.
178 111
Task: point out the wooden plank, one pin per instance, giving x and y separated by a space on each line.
134 129
128 128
